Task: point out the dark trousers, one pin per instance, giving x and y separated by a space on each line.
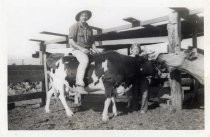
140 92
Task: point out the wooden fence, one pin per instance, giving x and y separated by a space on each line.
172 28
26 73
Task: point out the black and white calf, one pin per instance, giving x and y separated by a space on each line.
109 72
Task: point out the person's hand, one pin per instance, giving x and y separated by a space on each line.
86 51
94 51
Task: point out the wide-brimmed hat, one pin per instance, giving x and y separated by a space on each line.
89 13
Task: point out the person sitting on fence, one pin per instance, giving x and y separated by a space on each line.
82 42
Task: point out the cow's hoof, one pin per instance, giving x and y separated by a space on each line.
69 114
128 106
105 119
142 111
115 114
47 110
77 104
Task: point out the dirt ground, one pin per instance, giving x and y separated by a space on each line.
27 115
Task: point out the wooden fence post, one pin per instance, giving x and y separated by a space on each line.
45 82
128 51
99 32
194 28
174 37
174 33
67 42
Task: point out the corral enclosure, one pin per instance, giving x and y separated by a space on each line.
156 47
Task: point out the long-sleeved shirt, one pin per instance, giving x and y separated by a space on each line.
82 35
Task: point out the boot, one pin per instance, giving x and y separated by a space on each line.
81 90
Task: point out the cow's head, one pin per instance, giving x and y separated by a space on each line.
145 66
122 89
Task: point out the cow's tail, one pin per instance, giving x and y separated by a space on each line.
50 79
49 74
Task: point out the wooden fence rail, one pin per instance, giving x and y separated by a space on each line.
26 73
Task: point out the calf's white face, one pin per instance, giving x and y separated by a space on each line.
104 65
120 90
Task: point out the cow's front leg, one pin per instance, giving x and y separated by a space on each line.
114 107
108 85
49 95
77 99
105 116
63 101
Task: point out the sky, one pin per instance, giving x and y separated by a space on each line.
25 19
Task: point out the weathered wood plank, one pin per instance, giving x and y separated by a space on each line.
174 37
30 76
133 21
122 27
53 33
23 73
29 96
123 46
174 33
176 89
99 32
45 82
194 19
36 40
195 11
187 11
155 20
201 51
25 67
35 55
135 40
55 41
96 28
